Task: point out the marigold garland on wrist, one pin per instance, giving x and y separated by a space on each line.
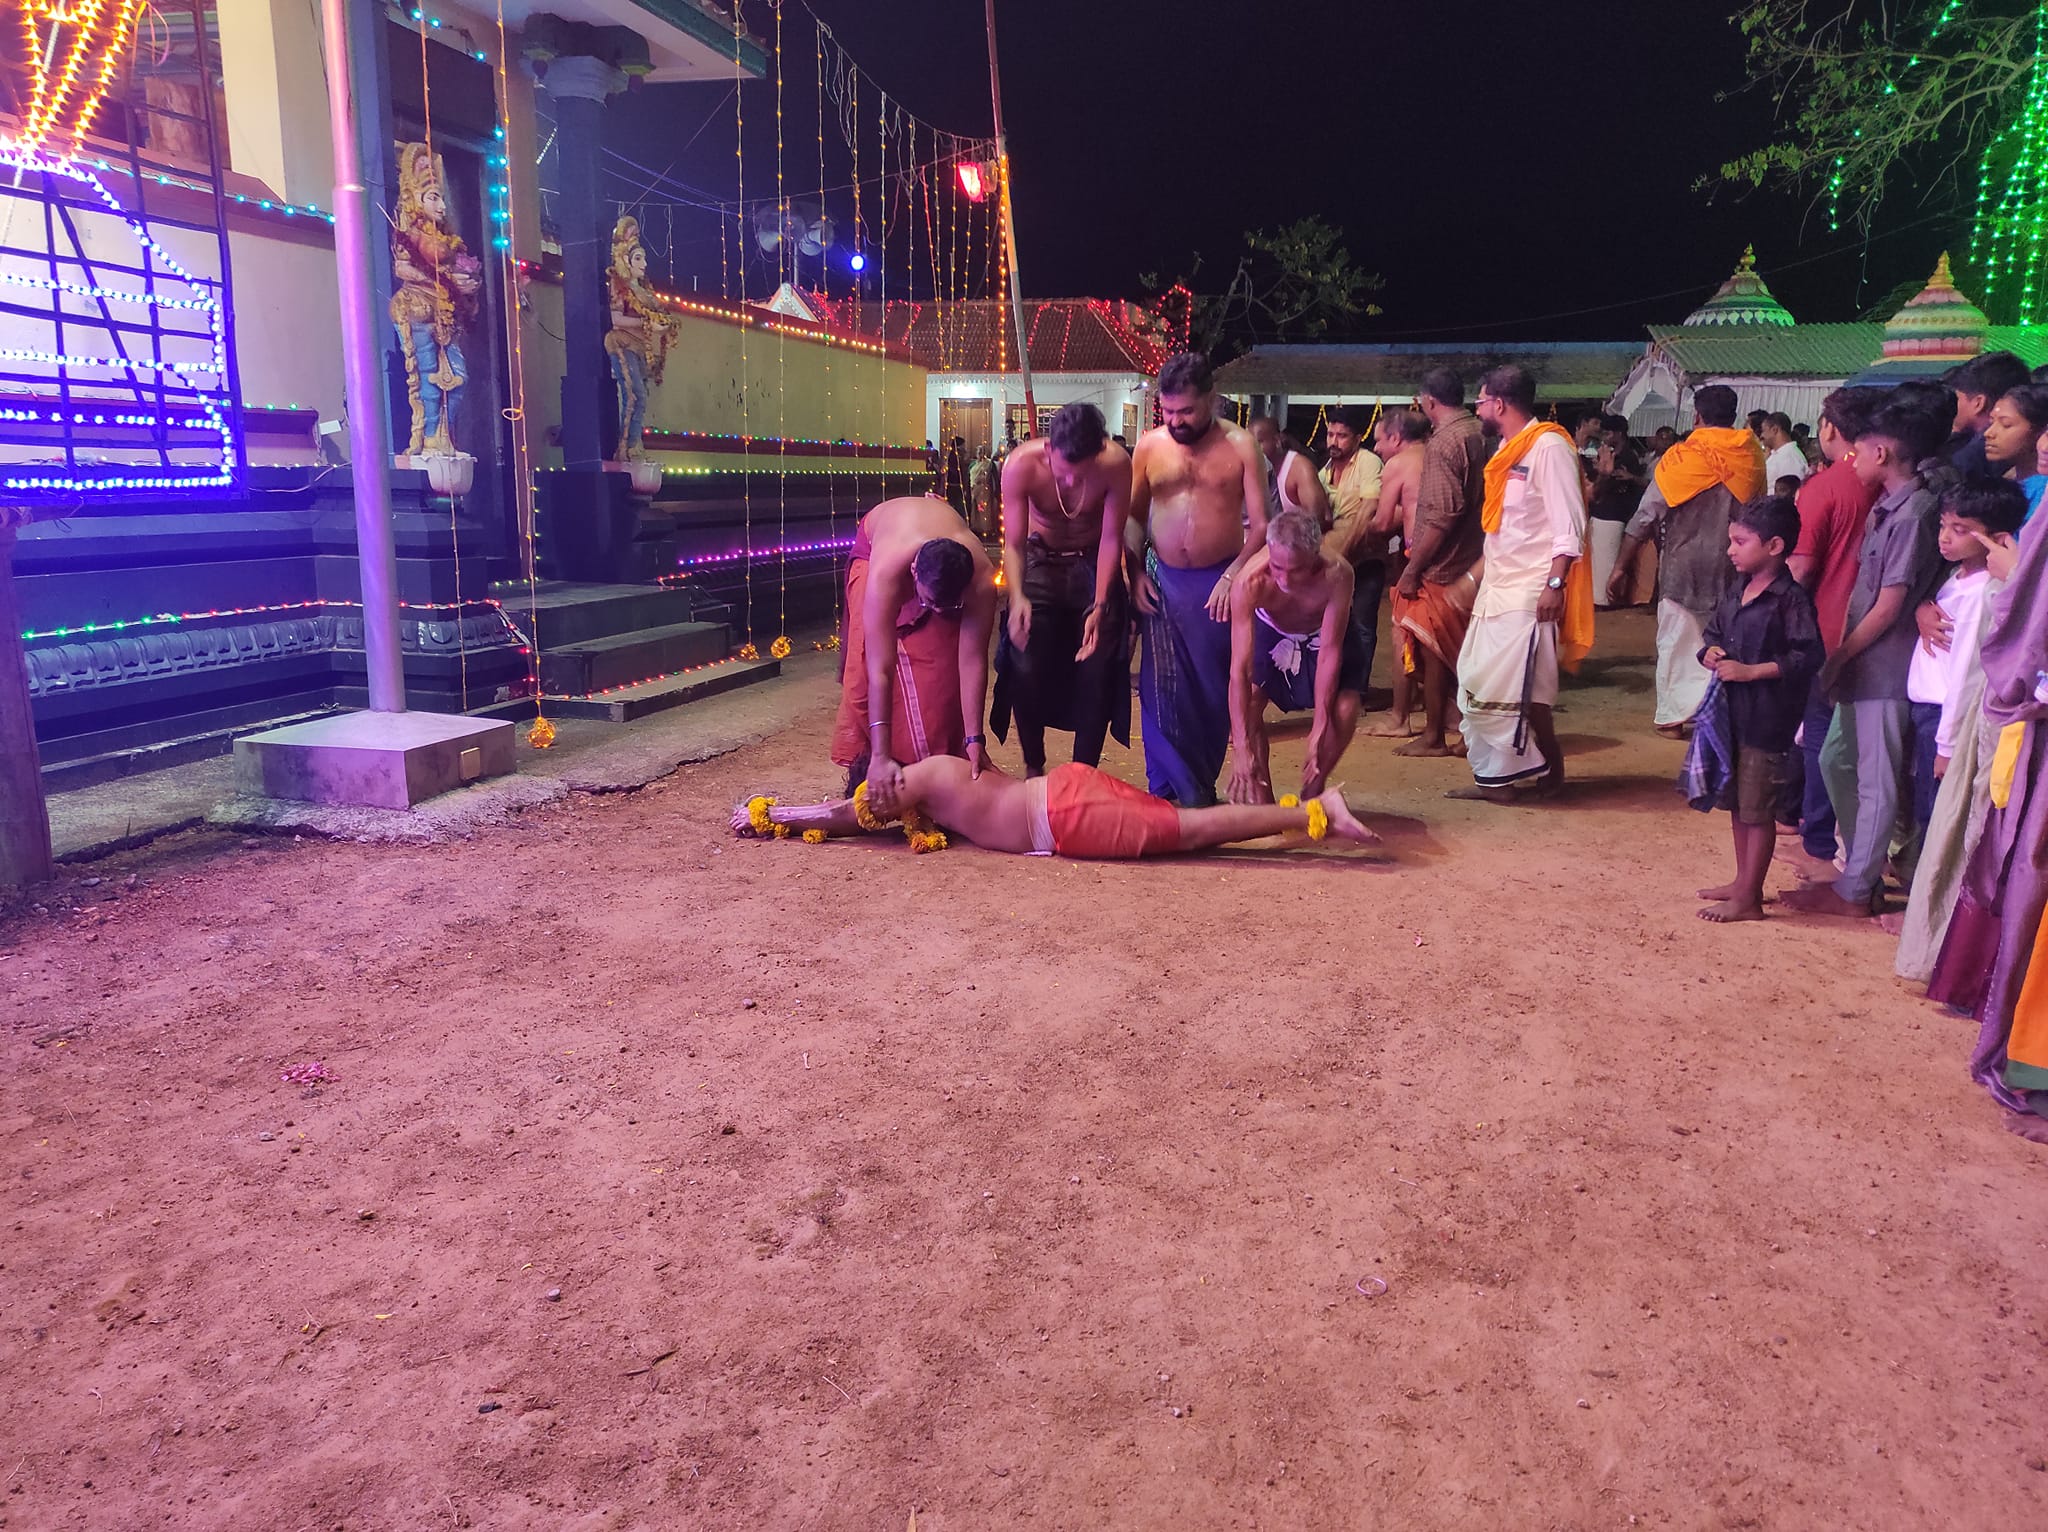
864 816
1289 801
1318 820
758 818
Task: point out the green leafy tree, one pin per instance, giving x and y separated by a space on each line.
1298 283
1874 96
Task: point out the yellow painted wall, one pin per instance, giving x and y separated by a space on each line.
794 388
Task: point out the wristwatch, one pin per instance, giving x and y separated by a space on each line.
1555 582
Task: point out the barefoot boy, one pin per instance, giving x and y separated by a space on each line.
1292 643
1763 644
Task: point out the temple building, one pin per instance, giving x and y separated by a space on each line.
681 472
1743 337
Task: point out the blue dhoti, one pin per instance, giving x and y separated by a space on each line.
1184 686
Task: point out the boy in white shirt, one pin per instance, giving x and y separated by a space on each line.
1975 515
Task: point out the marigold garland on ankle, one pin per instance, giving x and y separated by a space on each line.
814 837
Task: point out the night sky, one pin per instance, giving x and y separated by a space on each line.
1513 171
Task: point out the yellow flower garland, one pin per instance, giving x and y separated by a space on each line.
1289 801
758 819
864 816
814 837
1318 820
918 829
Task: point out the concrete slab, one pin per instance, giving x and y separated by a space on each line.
378 760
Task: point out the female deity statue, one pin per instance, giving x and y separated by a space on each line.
638 341
438 284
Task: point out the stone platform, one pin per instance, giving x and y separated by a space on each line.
382 760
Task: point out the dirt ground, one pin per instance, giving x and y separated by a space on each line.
661 1180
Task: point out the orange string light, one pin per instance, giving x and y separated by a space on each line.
51 108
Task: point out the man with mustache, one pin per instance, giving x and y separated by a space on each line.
1198 512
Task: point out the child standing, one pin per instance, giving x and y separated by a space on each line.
1974 515
1763 645
1866 758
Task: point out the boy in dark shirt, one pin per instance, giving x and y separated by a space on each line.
1763 643
1866 758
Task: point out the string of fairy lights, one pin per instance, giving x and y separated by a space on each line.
66 92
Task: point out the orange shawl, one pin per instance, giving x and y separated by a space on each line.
1712 455
1575 631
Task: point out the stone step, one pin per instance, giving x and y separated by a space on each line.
577 614
627 659
664 692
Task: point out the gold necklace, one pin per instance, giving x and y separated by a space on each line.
1058 498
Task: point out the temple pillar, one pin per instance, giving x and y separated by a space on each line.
580 86
24 825
277 101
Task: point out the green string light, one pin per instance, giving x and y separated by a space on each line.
2010 229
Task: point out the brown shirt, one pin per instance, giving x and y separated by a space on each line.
1453 490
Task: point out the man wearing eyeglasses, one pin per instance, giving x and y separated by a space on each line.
1534 609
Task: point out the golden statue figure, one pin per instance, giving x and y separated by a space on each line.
642 331
438 284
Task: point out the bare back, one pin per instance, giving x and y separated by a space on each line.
991 810
1200 499
1400 488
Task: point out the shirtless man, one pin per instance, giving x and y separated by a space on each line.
1075 811
1198 492
1292 483
917 585
1061 661
1402 434
1293 644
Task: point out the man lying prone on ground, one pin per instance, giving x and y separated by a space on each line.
1074 811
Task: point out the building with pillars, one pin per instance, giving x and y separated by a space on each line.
158 619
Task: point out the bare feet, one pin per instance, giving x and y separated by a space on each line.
1732 910
1821 899
2028 1126
1725 891
1477 794
1423 745
1892 922
1393 728
1344 824
1675 730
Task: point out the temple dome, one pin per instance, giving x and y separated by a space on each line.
1938 324
1742 299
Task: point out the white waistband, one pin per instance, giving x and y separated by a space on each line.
1041 824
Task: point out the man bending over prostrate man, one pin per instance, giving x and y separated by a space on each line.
1073 811
920 602
1293 644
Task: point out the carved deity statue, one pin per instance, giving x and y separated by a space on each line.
438 286
643 329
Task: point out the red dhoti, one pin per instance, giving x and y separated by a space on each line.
924 717
1439 616
1094 815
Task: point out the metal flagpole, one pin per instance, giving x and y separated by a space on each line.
995 93
369 432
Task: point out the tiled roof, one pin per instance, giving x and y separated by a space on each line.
1563 370
974 335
